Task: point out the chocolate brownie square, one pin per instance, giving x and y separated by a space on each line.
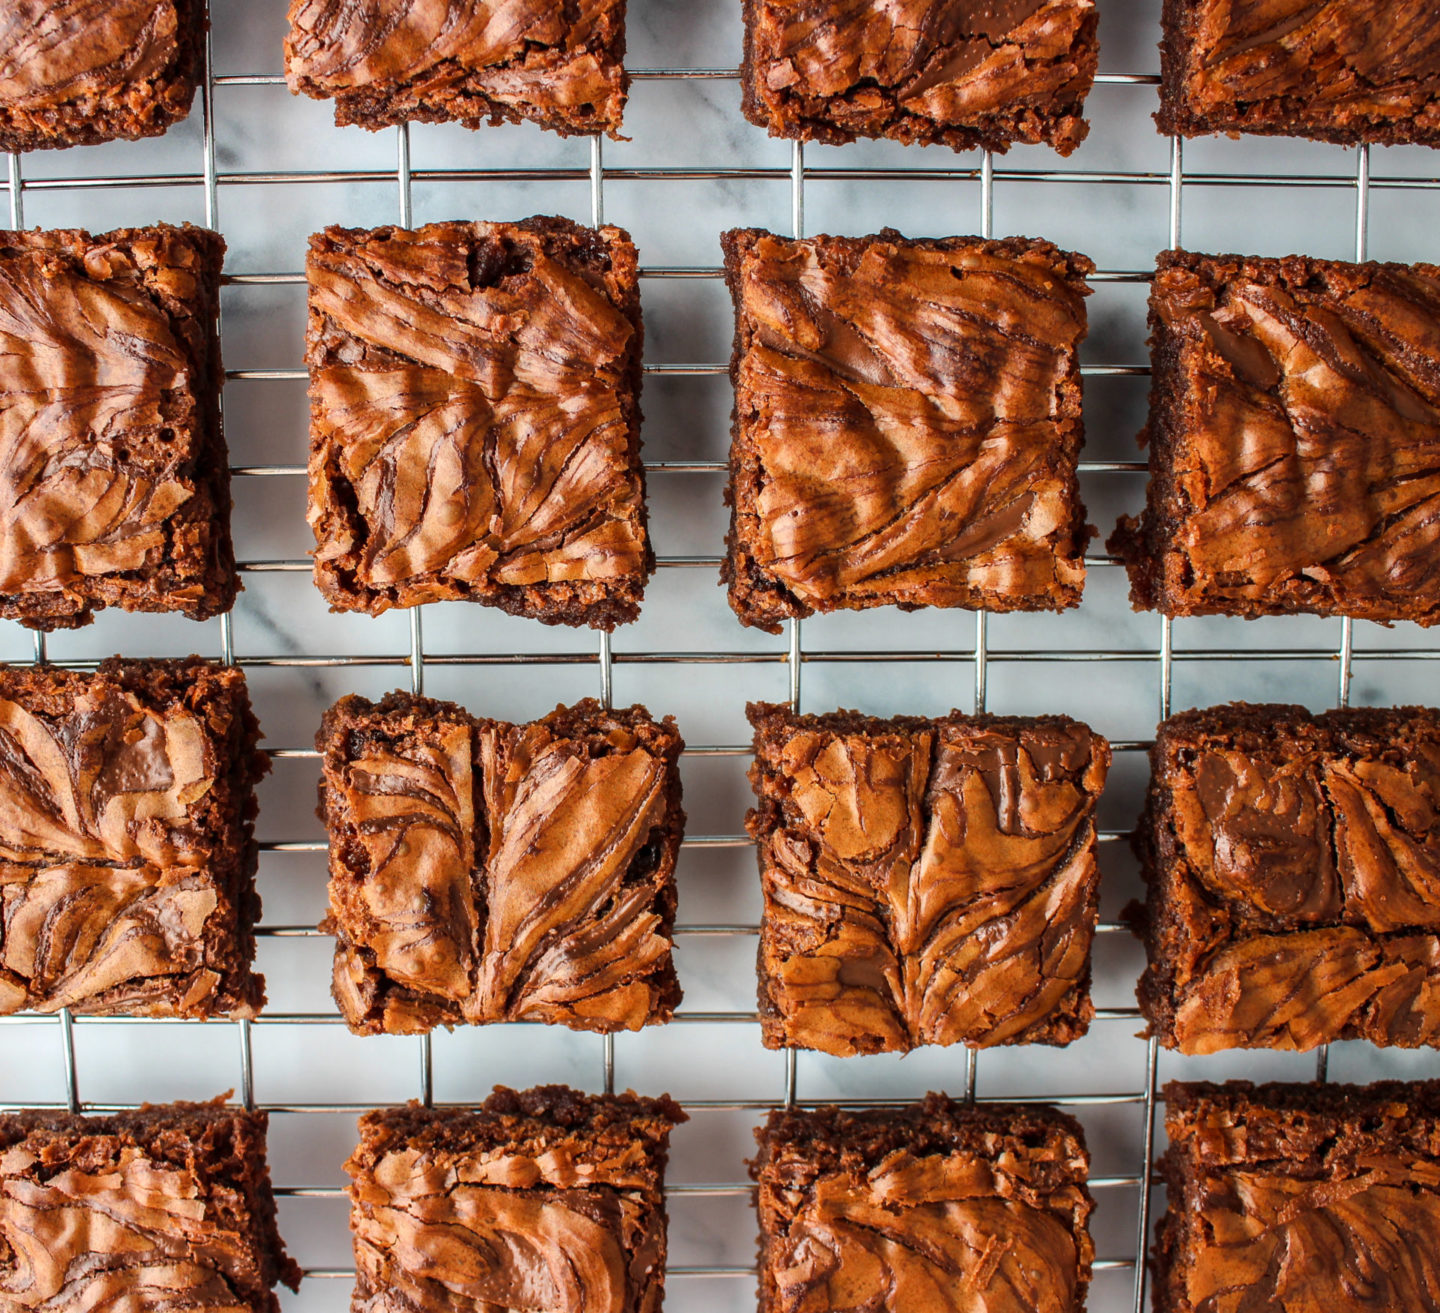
81 72
127 857
1346 71
481 871
964 73
547 1199
936 1205
907 425
475 419
925 881
440 61
114 476
1293 870
1294 409
166 1207
1300 1197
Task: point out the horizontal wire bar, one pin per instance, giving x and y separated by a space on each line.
701 271
691 467
715 930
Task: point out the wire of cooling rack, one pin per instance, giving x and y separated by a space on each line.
980 655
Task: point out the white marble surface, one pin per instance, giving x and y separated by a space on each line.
261 130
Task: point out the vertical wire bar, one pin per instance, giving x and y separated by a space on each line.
606 662
16 190
1152 1052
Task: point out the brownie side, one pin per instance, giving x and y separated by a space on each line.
115 488
965 75
541 858
903 1202
1286 395
543 1198
875 458
1331 72
127 850
475 419
1291 1197
435 61
106 1210
131 75
1291 862
924 881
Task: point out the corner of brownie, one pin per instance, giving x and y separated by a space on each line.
561 66
475 419
876 933
964 74
127 851
906 1200
541 858
84 73
1291 862
1284 395
104 1212
894 442
116 495
546 1196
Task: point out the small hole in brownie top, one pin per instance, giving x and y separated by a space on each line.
646 860
493 261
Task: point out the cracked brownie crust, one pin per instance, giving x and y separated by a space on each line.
547 1199
127 857
475 419
168 1207
114 476
1331 70
78 72
907 425
1294 424
558 63
1293 863
482 872
906 1208
1297 1198
963 73
925 881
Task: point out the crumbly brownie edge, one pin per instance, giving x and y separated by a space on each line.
605 605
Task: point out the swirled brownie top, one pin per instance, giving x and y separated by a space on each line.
474 426
1332 70
907 424
166 1207
925 881
482 872
1294 425
126 860
1296 1198
546 1199
462 61
933 1207
76 72
964 73
114 477
1293 866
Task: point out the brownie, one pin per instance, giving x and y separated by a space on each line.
924 881
1294 408
1292 863
1346 71
898 437
548 1199
165 1207
482 871
114 477
964 73
83 71
1296 1198
923 1208
127 856
475 419
458 61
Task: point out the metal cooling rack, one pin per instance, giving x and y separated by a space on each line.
980 655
